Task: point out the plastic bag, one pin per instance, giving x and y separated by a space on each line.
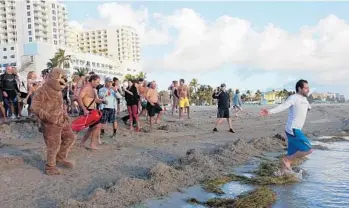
24 112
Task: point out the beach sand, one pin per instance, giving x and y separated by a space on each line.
136 166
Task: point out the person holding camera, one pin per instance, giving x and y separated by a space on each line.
223 99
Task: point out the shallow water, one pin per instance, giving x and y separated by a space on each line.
325 185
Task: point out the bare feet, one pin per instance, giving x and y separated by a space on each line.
93 147
287 163
157 122
52 170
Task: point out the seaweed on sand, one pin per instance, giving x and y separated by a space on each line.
266 174
261 197
213 186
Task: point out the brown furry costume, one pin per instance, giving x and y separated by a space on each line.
47 105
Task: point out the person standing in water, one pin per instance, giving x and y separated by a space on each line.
298 105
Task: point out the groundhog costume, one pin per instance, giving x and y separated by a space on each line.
47 105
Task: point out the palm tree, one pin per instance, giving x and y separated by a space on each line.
52 63
81 72
62 60
142 75
129 77
258 95
194 84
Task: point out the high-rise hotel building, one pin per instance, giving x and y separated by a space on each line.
118 43
32 30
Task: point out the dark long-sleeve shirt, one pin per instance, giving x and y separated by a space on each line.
8 82
223 99
132 99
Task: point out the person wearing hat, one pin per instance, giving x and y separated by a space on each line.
109 97
223 99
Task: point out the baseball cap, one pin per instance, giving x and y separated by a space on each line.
108 79
223 85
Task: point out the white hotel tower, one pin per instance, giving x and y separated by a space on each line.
31 31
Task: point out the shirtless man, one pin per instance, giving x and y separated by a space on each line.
153 106
183 92
298 106
88 100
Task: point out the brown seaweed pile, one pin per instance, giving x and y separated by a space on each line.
261 197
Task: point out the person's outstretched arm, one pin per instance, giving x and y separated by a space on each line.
288 103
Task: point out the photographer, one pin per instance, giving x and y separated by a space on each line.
223 99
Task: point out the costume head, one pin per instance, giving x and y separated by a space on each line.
56 79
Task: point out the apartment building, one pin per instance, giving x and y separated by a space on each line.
31 31
26 21
118 43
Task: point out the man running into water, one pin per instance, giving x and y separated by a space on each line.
298 105
183 92
88 100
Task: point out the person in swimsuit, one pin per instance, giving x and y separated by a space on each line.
88 100
298 106
153 106
183 92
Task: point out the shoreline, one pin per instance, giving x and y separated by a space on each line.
105 176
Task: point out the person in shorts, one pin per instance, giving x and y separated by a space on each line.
298 107
223 98
153 106
109 97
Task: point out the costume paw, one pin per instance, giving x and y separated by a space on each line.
52 171
66 163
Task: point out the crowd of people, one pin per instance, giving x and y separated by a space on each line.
14 94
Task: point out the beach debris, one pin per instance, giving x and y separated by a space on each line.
261 197
333 139
279 136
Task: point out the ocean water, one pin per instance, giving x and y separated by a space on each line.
325 184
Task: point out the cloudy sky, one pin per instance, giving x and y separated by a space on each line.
247 45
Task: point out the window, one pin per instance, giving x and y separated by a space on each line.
29 32
5 57
28 7
28 13
54 24
54 30
13 64
28 1
55 42
55 36
29 26
12 56
12 48
54 18
29 19
53 6
30 39
5 49
53 12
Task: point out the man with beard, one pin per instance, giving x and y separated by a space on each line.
298 107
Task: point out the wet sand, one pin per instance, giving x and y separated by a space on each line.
136 166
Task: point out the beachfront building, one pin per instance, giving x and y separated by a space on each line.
118 43
31 31
270 97
27 21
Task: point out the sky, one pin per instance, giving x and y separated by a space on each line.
247 45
